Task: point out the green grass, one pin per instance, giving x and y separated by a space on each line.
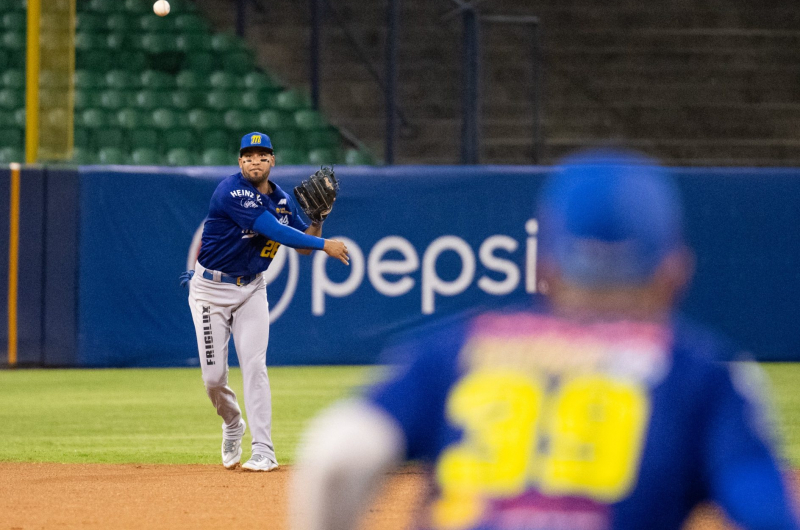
164 416
148 415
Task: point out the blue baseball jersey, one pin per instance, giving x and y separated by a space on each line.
229 243
535 422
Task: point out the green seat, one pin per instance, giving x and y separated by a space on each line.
150 24
292 100
238 63
222 100
358 157
113 99
13 20
156 43
119 23
155 80
148 99
144 139
219 139
180 157
189 80
14 79
323 157
145 157
89 41
184 100
10 154
237 120
131 119
134 7
19 117
200 62
104 6
309 119
117 42
289 157
286 139
122 80
6 119
11 99
98 60
324 138
111 155
11 138
201 120
81 137
253 101
193 42
88 79
191 24
218 157
132 60
226 42
92 119
14 41
272 119
83 156
222 81
164 119
3 59
107 137
178 139
259 81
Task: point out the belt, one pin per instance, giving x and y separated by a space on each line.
235 280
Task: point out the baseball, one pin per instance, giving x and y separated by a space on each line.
161 8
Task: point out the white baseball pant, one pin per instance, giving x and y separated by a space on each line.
219 310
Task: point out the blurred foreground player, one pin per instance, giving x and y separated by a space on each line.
249 218
601 411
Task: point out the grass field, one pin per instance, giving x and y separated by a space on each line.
164 416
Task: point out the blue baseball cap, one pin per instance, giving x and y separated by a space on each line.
609 218
255 139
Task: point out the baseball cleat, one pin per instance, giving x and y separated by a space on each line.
259 463
232 451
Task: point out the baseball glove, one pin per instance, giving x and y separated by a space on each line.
316 194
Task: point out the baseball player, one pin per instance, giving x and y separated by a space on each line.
249 218
599 411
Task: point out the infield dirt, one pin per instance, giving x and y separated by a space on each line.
103 496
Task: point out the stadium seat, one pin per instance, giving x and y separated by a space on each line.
13 41
254 100
357 157
219 139
3 59
218 157
200 62
201 119
113 99
309 119
89 23
292 100
320 157
132 61
122 80
150 24
144 139
11 138
178 139
184 99
103 6
111 155
83 156
237 121
180 157
222 100
92 119
81 137
148 99
107 137
271 119
189 80
89 79
9 154
192 42
13 20
89 41
327 138
155 80
286 139
11 99
116 42
19 117
238 63
6 119
164 118
133 118
119 23
222 81
14 79
145 157
289 157
134 7
98 60
156 43
258 81
226 42
191 24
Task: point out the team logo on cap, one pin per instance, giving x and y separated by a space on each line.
256 139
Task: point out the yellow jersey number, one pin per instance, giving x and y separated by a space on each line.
585 439
270 249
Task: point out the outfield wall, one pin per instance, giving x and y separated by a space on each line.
101 248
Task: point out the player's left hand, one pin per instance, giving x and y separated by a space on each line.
186 277
317 194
